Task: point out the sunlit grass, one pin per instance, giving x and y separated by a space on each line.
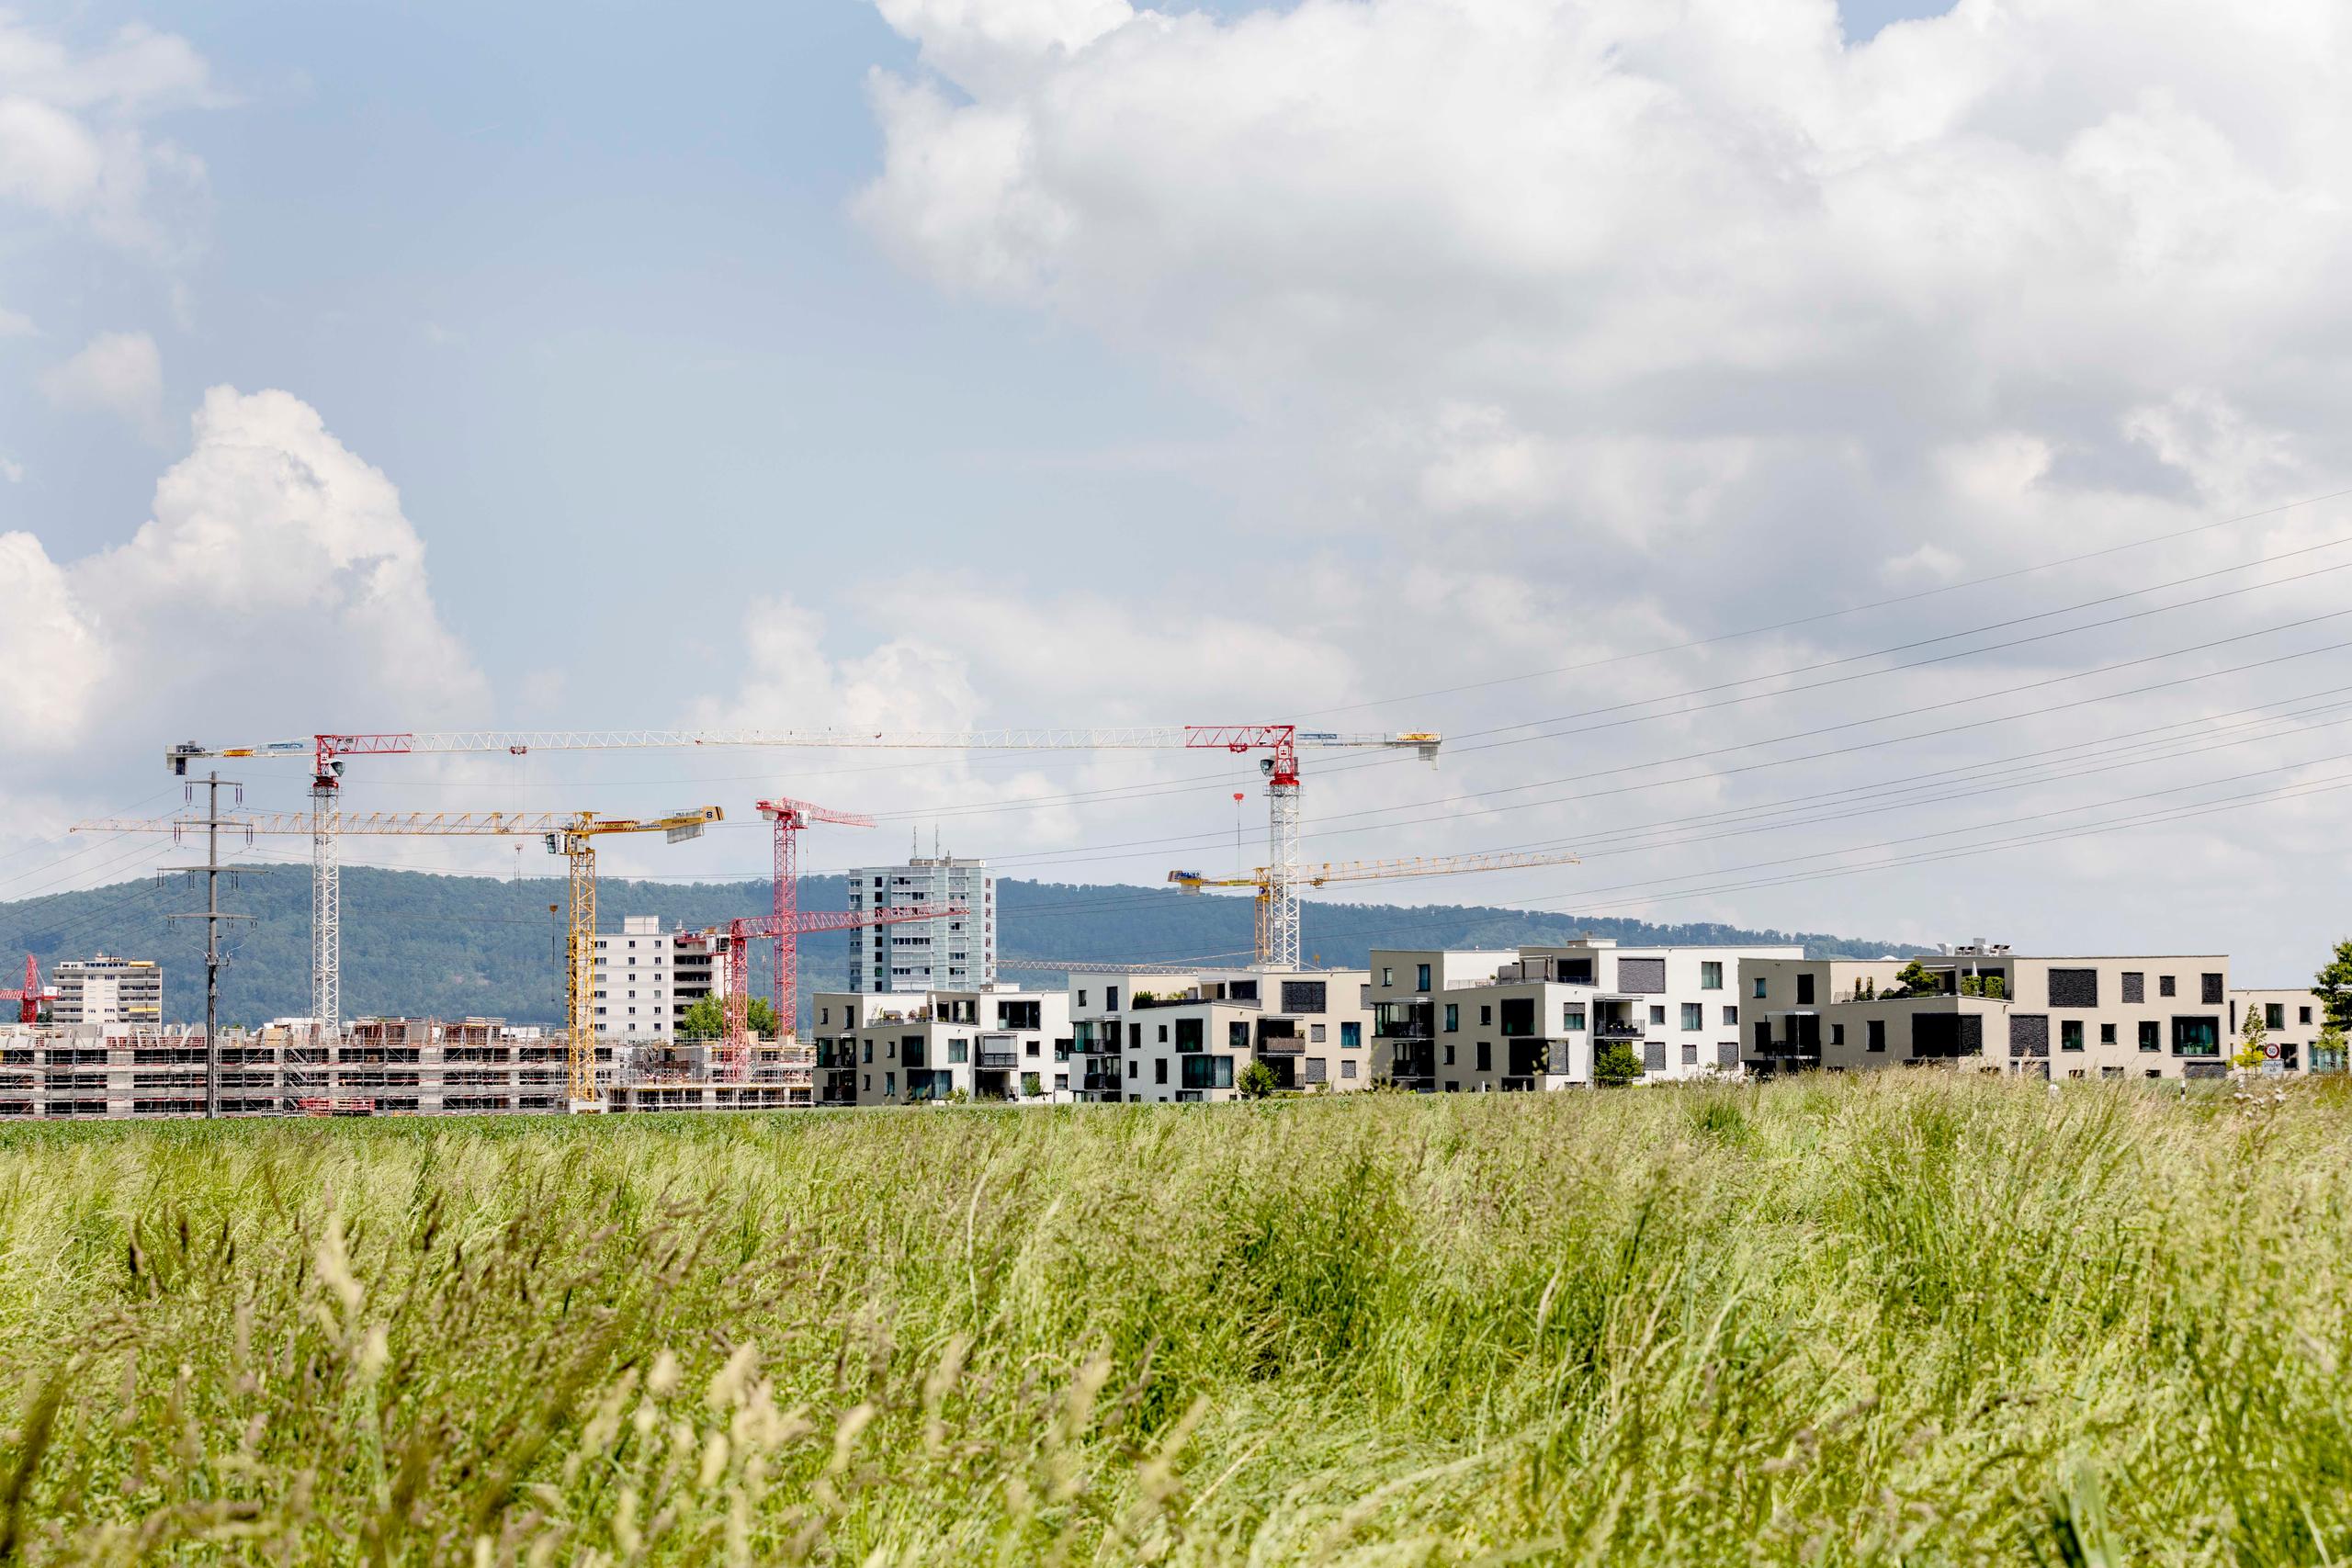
1904 1318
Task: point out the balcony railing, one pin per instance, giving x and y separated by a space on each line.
1617 1031
1281 1045
999 1060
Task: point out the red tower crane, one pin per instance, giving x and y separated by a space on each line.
734 1063
32 995
789 816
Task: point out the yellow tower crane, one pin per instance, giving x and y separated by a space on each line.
1263 881
576 842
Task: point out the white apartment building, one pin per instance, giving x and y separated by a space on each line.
2293 1017
106 989
1160 1038
2151 1016
987 1042
1455 1022
647 978
948 953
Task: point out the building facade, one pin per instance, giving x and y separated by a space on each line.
1532 1018
2155 1016
2293 1017
952 952
647 978
106 989
1178 1038
989 1043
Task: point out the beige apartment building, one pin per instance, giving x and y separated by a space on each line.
2157 1016
995 1042
106 989
1532 1018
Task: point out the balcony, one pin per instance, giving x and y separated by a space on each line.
1281 1045
1616 1031
999 1058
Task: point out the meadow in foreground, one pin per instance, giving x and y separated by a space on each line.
1910 1318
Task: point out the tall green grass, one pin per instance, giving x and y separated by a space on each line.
1901 1318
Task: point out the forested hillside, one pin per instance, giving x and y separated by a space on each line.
450 946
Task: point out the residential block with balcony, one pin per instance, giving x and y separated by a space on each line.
1182 1038
993 1044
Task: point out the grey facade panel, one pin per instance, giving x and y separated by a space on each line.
1302 996
1559 1057
1654 1057
2074 987
2209 990
1642 976
2135 987
1727 1056
2029 1034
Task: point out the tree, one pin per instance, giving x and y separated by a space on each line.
2327 1051
1917 980
2250 1056
2333 987
706 1018
1257 1081
1615 1064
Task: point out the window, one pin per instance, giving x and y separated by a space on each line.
2135 987
1135 1036
2196 1037
2070 1035
1731 1018
1132 1065
1452 1017
1571 1017
2306 1015
1347 1069
1486 1056
1352 1037
1315 1033
1657 1016
2107 1034
824 1015
2164 985
1387 975
1237 1035
1711 975
1486 1016
1208 1072
958 1050
869 1083
1189 1034
1110 999
890 1083
1448 1053
1160 1070
1836 1034
1874 1038
1694 1016
2209 990
1081 998
1420 977
1690 1056
1804 990
1758 991
2074 987
2274 1015
2150 1036
869 1050
1305 996
1163 1034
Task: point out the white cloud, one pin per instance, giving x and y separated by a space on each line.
75 137
1598 326
12 471
16 324
277 581
116 373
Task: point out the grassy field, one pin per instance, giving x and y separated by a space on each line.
1903 1318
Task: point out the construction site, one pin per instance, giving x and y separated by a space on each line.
326 1064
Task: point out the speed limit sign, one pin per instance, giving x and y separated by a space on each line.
2271 1052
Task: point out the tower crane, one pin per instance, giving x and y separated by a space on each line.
1263 882
572 836
789 816
1279 743
31 995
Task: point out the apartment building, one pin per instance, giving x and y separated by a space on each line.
987 1042
952 952
1532 1018
106 989
647 978
1180 1039
2156 1016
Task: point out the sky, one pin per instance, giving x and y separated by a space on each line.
1872 471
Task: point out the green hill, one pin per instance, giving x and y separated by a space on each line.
450 946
